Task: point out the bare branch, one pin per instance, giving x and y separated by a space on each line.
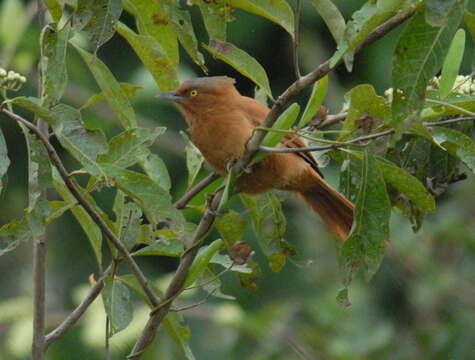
190 194
87 206
332 119
175 286
296 39
72 318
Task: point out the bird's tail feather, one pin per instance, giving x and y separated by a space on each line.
333 207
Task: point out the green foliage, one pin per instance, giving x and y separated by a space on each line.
117 304
332 17
4 160
194 160
452 63
457 144
315 101
201 261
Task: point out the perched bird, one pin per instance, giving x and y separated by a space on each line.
221 122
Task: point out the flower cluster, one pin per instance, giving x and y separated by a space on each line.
464 85
11 80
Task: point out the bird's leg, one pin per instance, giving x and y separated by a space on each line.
230 164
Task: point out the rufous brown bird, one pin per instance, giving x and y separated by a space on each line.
221 122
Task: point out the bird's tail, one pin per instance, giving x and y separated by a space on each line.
333 207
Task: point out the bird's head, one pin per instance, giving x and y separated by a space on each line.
200 93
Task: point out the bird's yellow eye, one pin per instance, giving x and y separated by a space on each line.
193 93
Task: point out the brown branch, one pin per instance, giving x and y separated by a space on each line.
190 194
175 286
332 120
87 206
72 318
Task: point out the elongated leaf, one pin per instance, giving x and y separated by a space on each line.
456 143
436 11
92 231
152 20
201 261
53 49
180 20
4 160
332 17
129 89
365 20
130 146
194 159
163 247
128 219
30 226
316 99
226 262
452 63
82 143
153 57
151 197
55 9
241 61
418 57
116 298
366 243
34 105
98 20
116 97
469 19
283 122
214 18
277 11
156 170
364 101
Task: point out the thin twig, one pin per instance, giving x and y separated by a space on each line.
332 119
191 306
76 314
87 206
296 39
449 121
252 147
190 194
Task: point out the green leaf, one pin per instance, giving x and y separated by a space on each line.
201 261
418 57
332 17
92 231
365 20
4 160
194 159
55 9
55 76
452 63
241 61
115 95
34 105
162 247
456 143
366 242
97 19
269 224
180 20
156 170
316 99
128 219
231 180
436 10
32 225
130 146
39 155
130 91
58 208
277 11
82 143
180 333
469 19
152 20
153 57
214 18
151 197
283 122
363 100
231 227
226 262
212 284
117 304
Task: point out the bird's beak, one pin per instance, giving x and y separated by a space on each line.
171 96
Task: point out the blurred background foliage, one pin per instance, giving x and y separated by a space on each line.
420 304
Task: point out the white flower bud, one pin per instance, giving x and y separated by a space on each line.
11 75
3 72
22 79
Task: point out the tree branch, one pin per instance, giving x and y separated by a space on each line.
88 207
252 147
190 194
72 318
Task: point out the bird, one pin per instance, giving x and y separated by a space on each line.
221 121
